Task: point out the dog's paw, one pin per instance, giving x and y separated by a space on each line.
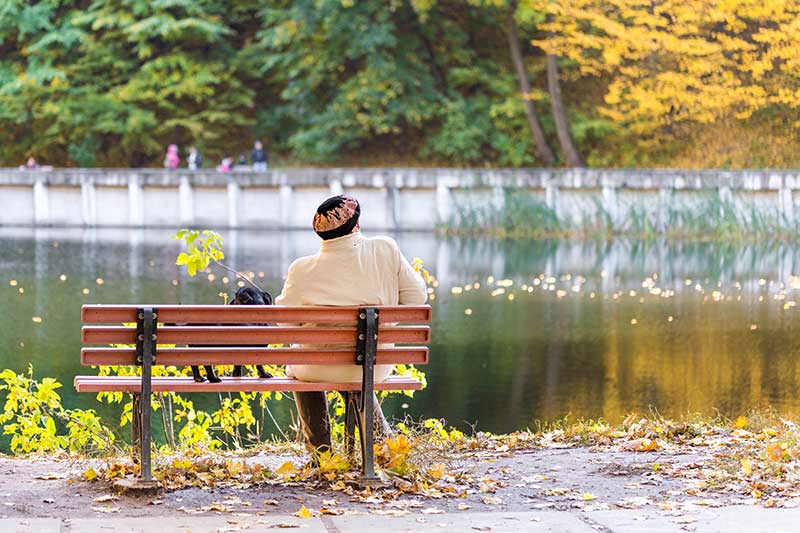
214 379
199 379
265 375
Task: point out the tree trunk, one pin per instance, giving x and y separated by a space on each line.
559 114
540 142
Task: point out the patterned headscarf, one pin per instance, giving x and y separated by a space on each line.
336 217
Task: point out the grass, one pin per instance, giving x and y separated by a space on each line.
710 217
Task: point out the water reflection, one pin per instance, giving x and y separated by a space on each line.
556 327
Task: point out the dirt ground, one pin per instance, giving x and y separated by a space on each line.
559 479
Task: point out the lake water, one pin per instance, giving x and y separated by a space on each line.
556 328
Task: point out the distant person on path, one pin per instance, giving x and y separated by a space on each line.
226 165
258 157
194 161
242 161
349 269
171 160
31 164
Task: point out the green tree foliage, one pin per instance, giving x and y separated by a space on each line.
112 81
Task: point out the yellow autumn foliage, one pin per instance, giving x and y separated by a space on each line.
675 62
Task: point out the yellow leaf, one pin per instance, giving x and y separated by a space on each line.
747 467
286 469
304 513
775 451
436 471
740 423
181 463
588 496
90 474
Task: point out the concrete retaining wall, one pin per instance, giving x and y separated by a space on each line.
392 199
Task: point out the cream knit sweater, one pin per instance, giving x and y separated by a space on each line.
351 270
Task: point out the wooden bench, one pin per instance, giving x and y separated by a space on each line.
228 337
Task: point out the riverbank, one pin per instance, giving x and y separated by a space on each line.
643 474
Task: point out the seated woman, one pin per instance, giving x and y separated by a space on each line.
348 270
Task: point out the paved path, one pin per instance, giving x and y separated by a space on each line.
726 519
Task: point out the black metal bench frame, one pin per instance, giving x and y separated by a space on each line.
357 414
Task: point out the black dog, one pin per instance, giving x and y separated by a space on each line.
244 296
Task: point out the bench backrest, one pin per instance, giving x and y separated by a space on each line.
230 334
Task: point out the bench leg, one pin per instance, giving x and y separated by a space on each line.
141 436
350 416
366 349
136 427
366 430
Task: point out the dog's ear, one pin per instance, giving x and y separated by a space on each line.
267 297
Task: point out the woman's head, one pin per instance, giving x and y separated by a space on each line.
336 217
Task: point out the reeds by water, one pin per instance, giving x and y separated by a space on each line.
707 216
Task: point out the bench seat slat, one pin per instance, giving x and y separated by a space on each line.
247 335
186 384
251 356
221 314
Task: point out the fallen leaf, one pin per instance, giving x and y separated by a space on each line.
775 451
105 509
287 469
271 502
90 475
463 506
106 498
491 500
389 512
641 445
304 513
436 471
588 496
51 475
432 510
741 422
328 510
